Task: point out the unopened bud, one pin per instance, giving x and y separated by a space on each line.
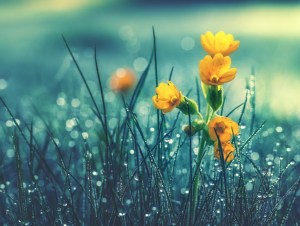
189 130
196 126
188 106
214 97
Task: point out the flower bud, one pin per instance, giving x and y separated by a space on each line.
122 80
189 130
196 126
188 106
214 97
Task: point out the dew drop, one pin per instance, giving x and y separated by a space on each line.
85 135
95 173
121 214
60 101
279 129
75 103
243 126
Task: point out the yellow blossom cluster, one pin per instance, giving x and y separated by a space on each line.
214 70
221 129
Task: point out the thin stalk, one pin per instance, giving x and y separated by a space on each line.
197 177
159 154
99 116
191 214
199 158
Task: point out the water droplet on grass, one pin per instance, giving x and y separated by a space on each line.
279 129
243 125
121 214
75 103
85 135
60 101
254 156
259 196
95 173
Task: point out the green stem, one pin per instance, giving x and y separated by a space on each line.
209 115
200 115
197 177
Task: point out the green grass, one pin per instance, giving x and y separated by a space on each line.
137 173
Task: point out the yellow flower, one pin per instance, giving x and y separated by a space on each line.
224 127
167 97
220 43
227 149
216 70
122 80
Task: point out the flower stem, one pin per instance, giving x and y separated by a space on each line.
197 177
199 158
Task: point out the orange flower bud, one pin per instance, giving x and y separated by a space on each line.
122 80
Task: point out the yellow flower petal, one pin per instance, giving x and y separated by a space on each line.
227 150
167 97
222 126
216 70
228 76
220 43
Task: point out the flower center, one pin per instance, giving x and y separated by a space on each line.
220 127
174 100
214 78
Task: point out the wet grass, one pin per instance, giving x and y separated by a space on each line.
137 173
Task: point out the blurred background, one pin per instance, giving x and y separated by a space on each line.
35 66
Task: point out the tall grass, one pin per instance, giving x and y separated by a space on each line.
132 174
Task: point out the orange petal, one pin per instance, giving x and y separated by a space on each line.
228 75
